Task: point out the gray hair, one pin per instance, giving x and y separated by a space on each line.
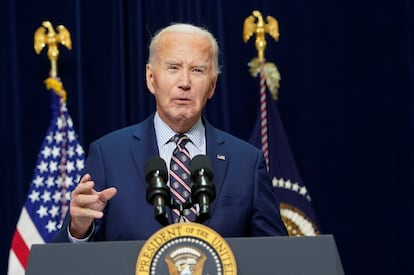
188 29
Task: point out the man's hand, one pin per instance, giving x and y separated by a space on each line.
87 204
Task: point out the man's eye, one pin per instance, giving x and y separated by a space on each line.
199 70
172 68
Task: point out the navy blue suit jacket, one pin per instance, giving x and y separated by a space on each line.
245 204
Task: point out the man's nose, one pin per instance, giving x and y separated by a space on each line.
185 80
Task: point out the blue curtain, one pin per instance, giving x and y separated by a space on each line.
346 100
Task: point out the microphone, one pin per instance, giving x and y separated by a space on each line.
203 190
158 193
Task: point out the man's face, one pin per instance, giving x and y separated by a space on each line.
182 78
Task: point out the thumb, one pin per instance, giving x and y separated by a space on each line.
107 194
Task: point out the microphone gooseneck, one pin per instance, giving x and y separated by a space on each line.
158 193
203 191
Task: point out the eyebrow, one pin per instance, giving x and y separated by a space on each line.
201 65
170 62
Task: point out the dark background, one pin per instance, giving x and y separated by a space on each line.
346 100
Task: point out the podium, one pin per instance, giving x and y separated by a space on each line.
255 255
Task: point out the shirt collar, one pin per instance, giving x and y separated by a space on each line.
164 132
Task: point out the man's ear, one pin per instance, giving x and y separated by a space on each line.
212 87
149 78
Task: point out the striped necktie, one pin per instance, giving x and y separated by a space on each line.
180 176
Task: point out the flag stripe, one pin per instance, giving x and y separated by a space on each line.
21 248
15 267
27 229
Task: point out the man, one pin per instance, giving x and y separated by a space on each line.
110 203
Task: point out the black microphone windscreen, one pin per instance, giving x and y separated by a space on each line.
201 162
153 165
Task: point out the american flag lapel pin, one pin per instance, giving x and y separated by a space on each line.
221 157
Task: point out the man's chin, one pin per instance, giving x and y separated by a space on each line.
183 112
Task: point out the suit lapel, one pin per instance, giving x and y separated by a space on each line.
144 145
218 157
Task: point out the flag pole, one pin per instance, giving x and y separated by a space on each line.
255 25
268 135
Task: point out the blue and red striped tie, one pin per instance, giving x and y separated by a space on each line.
180 176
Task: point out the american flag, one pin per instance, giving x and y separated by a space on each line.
269 135
59 164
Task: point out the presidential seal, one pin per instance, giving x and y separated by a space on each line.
186 249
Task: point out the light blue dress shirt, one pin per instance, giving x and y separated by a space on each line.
166 146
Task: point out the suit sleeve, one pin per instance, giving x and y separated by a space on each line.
266 220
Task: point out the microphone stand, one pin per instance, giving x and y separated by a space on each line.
200 218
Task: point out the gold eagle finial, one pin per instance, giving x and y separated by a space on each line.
46 35
260 29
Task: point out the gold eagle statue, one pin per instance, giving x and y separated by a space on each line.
260 29
46 35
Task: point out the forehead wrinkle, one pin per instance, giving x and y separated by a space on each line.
174 52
